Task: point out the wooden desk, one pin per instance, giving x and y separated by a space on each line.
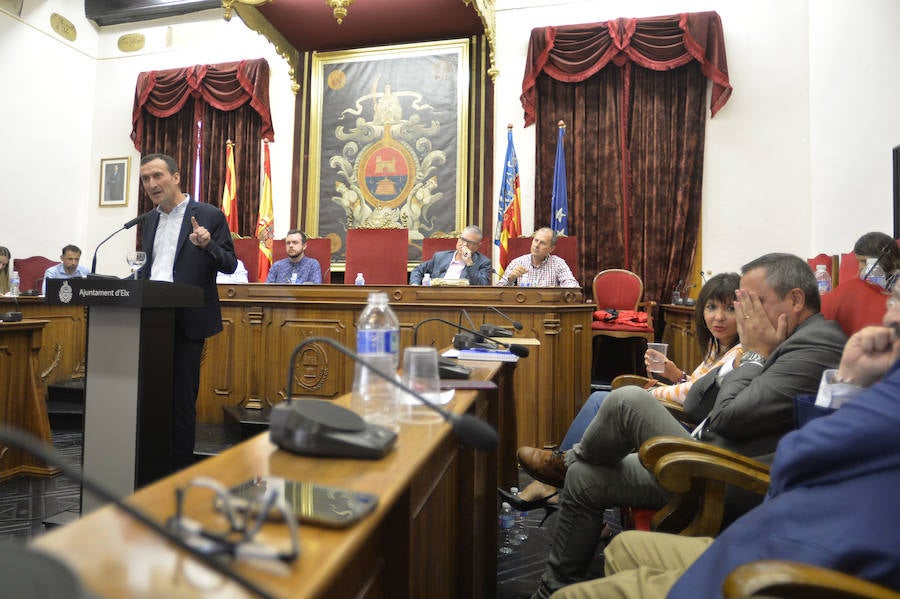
433 533
246 364
22 403
681 335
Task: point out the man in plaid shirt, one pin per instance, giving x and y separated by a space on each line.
540 268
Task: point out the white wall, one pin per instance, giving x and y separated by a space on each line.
807 132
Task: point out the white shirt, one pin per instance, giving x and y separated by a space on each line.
166 240
238 276
455 270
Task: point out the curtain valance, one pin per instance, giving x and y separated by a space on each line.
573 53
224 86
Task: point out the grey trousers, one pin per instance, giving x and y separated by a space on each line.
603 472
640 565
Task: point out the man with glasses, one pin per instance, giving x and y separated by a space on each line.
462 263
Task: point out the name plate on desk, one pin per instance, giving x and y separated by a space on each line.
139 293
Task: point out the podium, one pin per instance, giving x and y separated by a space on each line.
128 389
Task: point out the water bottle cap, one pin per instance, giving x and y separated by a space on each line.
821 267
514 490
505 505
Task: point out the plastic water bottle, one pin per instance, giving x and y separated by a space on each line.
426 280
520 530
523 281
378 330
360 280
823 279
876 274
14 282
507 521
378 343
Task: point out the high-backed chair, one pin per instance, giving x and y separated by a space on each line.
31 271
849 267
380 254
780 579
566 248
317 248
247 251
620 289
831 266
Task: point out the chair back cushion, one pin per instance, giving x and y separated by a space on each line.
849 268
617 288
317 248
31 271
380 254
247 251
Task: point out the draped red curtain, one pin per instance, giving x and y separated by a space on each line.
635 162
231 101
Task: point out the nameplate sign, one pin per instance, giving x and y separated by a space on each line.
126 293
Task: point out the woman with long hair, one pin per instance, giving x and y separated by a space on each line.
5 259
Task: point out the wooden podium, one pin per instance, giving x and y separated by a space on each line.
128 388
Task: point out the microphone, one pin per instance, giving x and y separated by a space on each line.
490 330
475 339
128 225
470 430
30 444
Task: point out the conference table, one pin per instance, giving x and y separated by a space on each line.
432 534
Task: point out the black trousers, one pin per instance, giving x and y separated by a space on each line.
185 385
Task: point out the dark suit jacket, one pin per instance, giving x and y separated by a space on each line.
754 406
196 266
832 500
477 274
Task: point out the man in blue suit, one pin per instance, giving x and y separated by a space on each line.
186 242
462 263
831 502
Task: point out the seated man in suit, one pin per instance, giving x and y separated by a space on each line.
463 263
746 406
540 268
67 268
827 505
297 268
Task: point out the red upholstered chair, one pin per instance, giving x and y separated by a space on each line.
831 266
849 267
622 290
316 248
432 245
31 271
380 254
247 251
566 248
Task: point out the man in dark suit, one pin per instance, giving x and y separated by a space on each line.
462 263
186 242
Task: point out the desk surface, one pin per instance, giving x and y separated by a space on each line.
116 556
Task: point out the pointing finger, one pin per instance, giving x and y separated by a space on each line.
194 222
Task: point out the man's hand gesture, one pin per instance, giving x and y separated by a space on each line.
200 236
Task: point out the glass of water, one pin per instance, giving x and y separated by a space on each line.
135 260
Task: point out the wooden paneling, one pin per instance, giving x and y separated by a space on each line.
247 365
680 334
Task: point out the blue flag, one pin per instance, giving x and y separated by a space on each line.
559 207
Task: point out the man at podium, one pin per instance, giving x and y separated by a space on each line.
186 242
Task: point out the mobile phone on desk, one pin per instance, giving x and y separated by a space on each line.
310 502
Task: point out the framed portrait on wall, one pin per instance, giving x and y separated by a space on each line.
388 142
114 174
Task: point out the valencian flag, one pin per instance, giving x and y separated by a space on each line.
559 207
509 215
229 199
265 226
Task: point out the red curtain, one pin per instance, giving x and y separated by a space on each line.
635 164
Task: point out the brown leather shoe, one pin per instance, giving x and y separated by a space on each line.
544 465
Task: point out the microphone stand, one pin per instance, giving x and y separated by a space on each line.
519 350
30 444
470 430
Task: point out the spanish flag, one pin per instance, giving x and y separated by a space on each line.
229 199
265 226
510 213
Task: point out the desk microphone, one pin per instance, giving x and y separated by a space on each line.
299 426
490 330
128 225
30 444
474 339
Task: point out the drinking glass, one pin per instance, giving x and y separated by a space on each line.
420 373
135 260
658 365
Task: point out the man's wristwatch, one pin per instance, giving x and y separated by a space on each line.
752 357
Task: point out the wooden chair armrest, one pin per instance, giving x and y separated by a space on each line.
675 471
778 578
657 447
623 380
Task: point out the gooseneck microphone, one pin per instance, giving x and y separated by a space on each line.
476 338
490 330
128 225
30 444
470 430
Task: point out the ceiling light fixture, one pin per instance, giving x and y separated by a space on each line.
340 8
